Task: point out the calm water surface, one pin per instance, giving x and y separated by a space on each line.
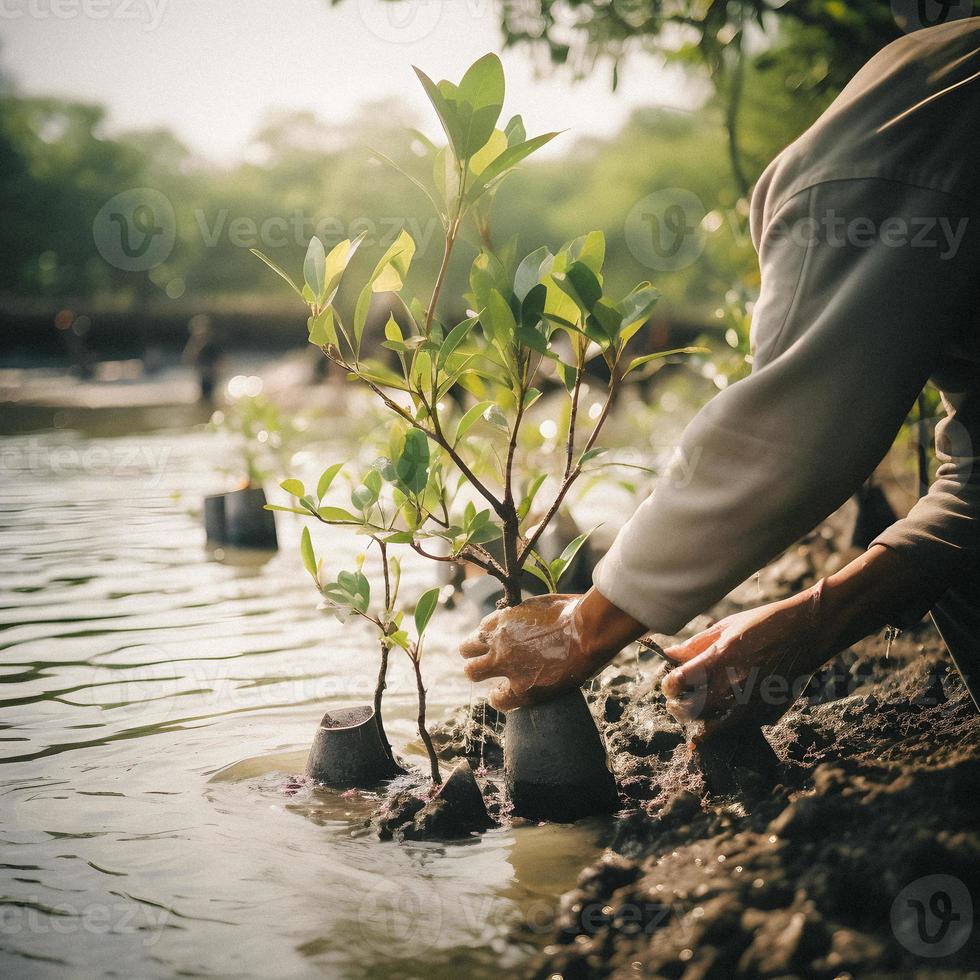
155 701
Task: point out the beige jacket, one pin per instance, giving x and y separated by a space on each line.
868 234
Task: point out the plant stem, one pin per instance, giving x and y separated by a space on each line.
382 682
573 474
440 278
423 731
573 417
379 689
435 434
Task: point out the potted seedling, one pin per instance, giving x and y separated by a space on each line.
351 747
454 486
238 518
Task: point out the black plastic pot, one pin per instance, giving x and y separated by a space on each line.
555 762
348 750
238 519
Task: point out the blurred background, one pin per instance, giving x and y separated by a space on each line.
146 145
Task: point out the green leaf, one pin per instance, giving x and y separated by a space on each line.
500 318
306 551
481 89
278 270
504 163
530 397
647 358
424 609
581 283
485 534
314 268
366 495
456 336
294 488
323 330
539 568
532 491
569 375
412 466
470 418
400 537
287 510
380 375
388 276
492 149
445 109
590 250
590 455
393 331
572 548
496 418
335 515
514 131
635 310
528 273
336 264
327 478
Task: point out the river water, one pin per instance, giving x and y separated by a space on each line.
156 698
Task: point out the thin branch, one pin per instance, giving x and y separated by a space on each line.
572 476
573 417
434 434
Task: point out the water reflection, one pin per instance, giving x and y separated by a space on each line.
155 703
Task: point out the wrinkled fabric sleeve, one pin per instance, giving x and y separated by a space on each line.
845 337
941 533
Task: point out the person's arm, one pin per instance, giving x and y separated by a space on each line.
846 338
941 533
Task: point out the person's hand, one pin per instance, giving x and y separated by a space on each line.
546 645
752 666
749 667
536 647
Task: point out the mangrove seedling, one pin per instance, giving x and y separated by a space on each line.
455 478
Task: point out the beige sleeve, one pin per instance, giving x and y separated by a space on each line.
846 335
941 533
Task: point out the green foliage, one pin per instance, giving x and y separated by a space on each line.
450 475
448 486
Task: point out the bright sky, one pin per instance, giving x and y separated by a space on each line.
208 69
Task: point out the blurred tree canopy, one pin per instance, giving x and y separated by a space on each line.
775 68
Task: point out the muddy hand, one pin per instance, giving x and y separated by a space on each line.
747 668
535 647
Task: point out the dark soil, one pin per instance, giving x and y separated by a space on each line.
818 869
815 870
880 787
